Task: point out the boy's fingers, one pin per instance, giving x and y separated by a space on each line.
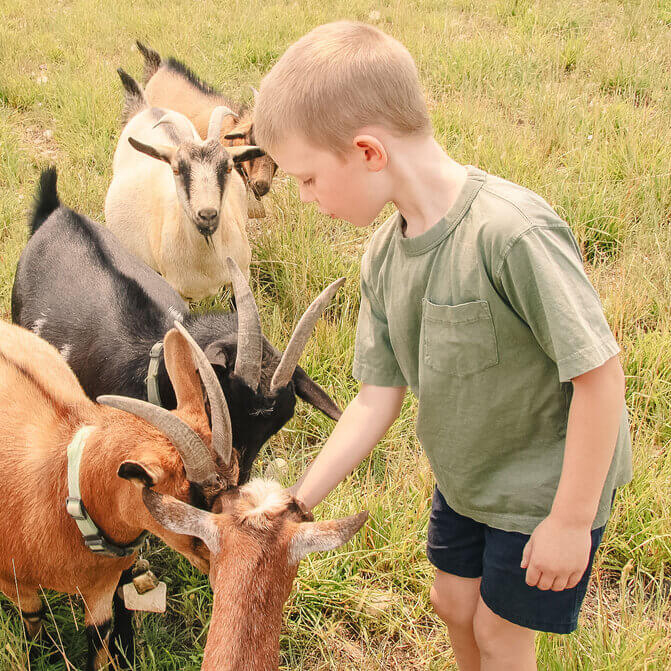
533 574
526 553
545 581
560 583
573 580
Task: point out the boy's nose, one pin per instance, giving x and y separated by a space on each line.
304 195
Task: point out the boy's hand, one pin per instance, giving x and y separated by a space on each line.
556 555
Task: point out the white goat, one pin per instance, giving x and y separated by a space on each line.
175 200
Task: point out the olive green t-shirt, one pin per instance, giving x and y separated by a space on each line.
487 316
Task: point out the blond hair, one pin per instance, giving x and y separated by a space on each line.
335 80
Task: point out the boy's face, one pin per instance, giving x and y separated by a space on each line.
350 187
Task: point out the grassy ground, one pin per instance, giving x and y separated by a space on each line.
570 98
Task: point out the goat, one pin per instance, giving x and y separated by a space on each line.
44 410
174 200
172 85
79 289
256 540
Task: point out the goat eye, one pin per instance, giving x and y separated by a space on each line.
229 167
175 170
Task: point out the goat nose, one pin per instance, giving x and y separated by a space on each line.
261 187
207 214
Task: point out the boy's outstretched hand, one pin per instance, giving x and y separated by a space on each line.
556 555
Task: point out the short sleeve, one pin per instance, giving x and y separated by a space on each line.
543 279
374 359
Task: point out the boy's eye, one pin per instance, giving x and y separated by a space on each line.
307 182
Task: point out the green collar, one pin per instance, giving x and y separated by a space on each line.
93 538
153 393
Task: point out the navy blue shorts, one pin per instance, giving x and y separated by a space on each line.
463 547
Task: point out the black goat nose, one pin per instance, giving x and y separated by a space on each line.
260 187
207 214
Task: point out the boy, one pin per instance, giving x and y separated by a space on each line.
474 295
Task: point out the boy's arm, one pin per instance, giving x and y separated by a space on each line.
557 553
362 424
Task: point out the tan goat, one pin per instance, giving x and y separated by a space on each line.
172 85
138 453
43 407
256 541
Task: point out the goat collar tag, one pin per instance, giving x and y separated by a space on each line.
93 539
153 393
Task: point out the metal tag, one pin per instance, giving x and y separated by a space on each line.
153 601
145 582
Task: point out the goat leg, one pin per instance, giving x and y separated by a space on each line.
122 640
32 621
98 621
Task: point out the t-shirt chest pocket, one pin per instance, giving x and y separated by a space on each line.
458 339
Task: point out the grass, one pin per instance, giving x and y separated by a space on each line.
570 98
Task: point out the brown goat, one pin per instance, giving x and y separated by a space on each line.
256 541
170 84
43 407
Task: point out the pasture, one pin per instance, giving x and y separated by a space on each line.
569 98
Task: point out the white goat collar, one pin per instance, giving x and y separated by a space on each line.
93 538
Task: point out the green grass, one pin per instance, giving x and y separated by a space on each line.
570 98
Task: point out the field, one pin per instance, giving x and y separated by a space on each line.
570 98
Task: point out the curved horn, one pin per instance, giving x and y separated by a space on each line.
217 120
250 337
222 433
172 118
198 462
287 365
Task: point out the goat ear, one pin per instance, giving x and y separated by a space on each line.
216 353
235 135
141 475
308 390
323 536
181 518
182 372
162 152
245 152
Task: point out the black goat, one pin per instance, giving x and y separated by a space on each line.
104 309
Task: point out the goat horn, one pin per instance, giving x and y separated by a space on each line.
198 462
171 118
222 433
250 337
287 365
217 120
255 92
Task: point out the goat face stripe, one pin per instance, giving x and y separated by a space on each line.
222 174
185 173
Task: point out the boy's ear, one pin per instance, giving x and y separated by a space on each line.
141 473
372 151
